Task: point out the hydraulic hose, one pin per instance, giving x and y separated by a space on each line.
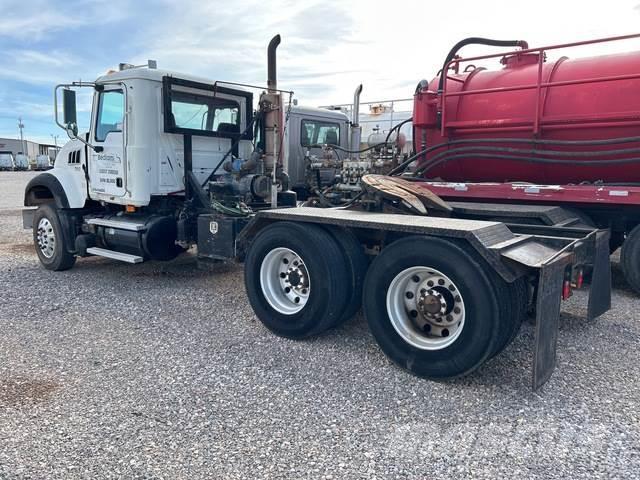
476 41
499 156
398 127
528 141
538 153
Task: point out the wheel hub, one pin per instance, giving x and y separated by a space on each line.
425 308
432 304
285 281
294 277
46 238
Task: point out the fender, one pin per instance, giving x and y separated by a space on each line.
40 187
56 185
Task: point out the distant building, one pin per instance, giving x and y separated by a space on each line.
33 149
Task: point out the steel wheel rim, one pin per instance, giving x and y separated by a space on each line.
284 280
46 238
426 308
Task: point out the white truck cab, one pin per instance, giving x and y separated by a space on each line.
133 150
162 148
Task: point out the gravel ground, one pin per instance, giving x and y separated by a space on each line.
162 371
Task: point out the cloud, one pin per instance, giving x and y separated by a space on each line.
35 20
39 66
328 46
34 25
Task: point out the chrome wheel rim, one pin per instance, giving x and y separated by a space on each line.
284 280
46 238
426 308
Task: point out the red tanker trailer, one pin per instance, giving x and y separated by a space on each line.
536 131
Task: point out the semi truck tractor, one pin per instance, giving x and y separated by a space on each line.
172 162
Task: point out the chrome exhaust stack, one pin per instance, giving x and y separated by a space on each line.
271 106
356 129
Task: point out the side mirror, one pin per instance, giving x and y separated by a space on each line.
69 111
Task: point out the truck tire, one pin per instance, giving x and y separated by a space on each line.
431 307
357 264
513 307
49 240
296 279
630 258
514 312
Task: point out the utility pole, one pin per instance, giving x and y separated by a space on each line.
55 141
21 127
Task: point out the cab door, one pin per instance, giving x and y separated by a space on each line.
107 164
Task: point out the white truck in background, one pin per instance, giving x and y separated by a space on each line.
21 162
6 161
42 162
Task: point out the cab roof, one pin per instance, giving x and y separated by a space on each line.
152 74
322 112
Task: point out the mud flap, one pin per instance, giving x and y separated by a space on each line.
547 317
600 288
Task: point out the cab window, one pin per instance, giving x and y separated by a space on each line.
196 112
110 113
314 132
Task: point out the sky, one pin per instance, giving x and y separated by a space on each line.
328 46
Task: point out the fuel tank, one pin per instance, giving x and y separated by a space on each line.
533 120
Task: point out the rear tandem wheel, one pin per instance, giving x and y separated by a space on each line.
434 310
297 279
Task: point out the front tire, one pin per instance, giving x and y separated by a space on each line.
431 308
49 239
296 279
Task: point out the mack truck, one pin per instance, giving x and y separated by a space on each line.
171 162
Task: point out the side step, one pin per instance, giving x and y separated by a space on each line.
122 225
123 257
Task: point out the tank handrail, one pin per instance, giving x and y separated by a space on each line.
410 99
539 85
541 49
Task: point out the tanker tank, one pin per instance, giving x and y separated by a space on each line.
544 121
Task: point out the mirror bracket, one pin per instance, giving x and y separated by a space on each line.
71 127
